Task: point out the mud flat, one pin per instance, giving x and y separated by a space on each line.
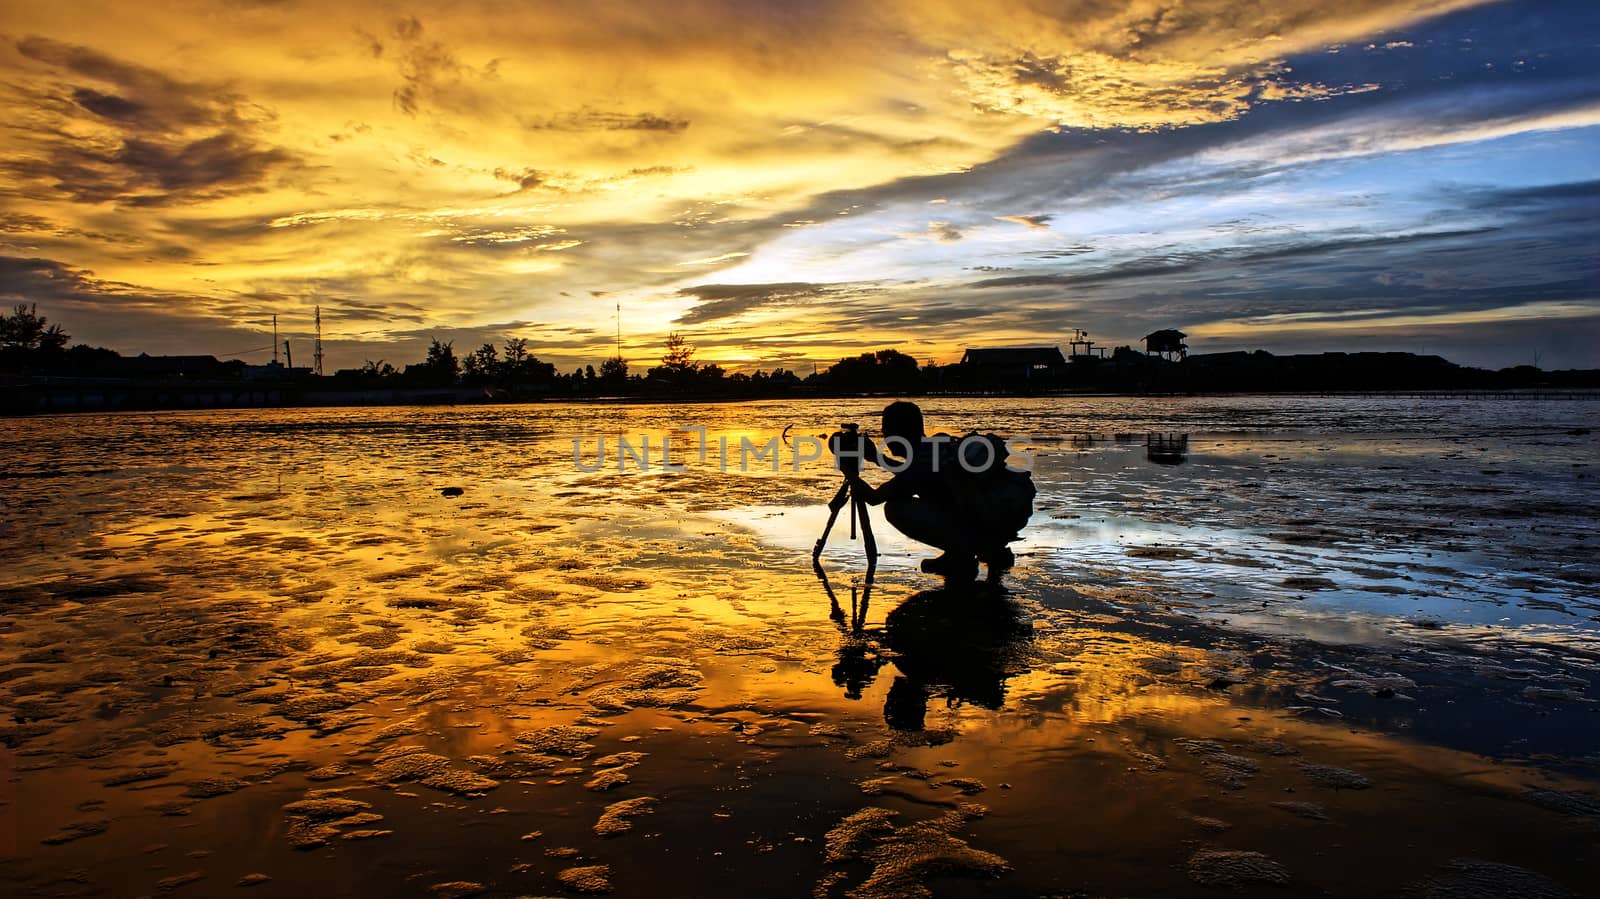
1344 648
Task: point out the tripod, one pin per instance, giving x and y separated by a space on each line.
850 442
846 496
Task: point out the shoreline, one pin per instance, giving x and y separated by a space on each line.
187 398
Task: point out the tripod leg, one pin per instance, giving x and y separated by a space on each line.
834 505
858 619
866 536
834 612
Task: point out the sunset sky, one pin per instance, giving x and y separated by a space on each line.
788 183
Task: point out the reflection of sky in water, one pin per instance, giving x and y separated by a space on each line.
1213 528
355 610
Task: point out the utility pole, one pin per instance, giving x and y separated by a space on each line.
619 331
274 338
317 354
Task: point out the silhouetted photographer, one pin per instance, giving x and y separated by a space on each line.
957 494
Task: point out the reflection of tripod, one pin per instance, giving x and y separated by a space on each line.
847 445
859 602
858 660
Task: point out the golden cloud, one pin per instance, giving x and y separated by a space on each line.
440 157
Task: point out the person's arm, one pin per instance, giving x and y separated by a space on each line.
869 452
897 487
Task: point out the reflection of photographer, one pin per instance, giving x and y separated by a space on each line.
947 647
957 495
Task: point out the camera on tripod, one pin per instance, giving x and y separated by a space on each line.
847 445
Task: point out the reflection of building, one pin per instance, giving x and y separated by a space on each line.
1167 343
1166 449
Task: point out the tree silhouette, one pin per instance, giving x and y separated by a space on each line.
884 370
439 369
679 357
26 329
482 364
516 352
442 358
27 338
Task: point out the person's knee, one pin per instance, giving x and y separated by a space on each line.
923 521
906 518
898 511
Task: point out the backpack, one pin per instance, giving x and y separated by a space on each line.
996 499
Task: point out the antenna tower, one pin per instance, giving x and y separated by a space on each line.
317 354
274 338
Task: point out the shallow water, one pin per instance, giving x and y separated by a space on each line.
1347 644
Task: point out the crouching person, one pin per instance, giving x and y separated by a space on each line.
955 494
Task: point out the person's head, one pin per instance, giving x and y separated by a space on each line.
903 419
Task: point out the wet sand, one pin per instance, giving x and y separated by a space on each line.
1347 647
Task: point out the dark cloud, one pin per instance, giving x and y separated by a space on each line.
524 179
32 280
599 120
1065 252
1040 222
649 122
170 141
141 98
22 226
654 171
1434 277
107 105
1185 262
145 172
408 28
430 71
1471 52
1569 343
1570 197
838 137
134 319
1054 75
719 301
23 221
221 160
106 313
424 68
1326 248
1140 267
370 43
